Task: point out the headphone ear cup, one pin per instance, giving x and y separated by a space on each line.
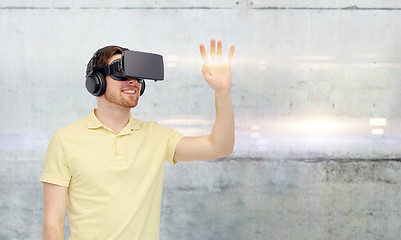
91 85
143 87
96 84
102 83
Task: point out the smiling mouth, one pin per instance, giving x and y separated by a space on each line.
129 91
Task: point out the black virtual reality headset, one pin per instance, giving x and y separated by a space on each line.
132 65
137 65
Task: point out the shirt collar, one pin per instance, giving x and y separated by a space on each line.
133 123
93 122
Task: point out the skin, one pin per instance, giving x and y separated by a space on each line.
113 108
113 111
217 73
55 207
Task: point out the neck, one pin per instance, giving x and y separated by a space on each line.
113 116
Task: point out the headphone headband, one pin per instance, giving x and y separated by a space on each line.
90 68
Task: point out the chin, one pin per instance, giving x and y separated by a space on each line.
130 105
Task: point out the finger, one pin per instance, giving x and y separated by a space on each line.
231 53
203 52
213 48
219 49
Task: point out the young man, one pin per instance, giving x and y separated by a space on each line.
111 165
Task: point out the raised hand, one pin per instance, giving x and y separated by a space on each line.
216 70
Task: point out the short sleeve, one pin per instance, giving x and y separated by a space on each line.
173 139
56 169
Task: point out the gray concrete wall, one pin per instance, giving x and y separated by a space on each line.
310 81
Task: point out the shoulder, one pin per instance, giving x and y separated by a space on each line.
77 127
145 125
153 126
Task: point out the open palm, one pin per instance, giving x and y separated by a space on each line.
216 70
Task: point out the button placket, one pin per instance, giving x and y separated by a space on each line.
119 151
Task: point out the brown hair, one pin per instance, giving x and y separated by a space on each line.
104 56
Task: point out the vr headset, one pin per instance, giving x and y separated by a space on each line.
131 65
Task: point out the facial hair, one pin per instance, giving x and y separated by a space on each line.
120 100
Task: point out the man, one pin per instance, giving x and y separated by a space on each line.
111 165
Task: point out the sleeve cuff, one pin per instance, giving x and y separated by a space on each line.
55 180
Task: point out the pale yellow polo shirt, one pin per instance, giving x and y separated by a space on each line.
114 180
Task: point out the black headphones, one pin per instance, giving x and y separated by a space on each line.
96 81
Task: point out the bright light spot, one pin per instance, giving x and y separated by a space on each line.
171 65
316 126
255 135
377 122
261 62
255 127
377 131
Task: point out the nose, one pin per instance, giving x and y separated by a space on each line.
134 80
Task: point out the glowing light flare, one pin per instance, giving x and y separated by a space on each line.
315 126
376 122
255 127
313 62
171 61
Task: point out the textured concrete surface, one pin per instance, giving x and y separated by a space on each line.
309 78
334 65
282 199
244 199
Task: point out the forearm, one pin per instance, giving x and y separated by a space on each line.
53 231
220 142
55 205
223 134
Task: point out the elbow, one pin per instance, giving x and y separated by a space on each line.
224 154
222 148
228 150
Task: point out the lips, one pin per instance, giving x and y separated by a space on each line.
129 91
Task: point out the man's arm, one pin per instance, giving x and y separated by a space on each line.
55 206
220 143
